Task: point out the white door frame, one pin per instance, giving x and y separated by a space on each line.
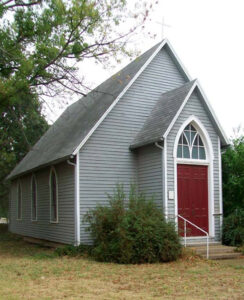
209 162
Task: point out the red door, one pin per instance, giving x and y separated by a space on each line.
193 198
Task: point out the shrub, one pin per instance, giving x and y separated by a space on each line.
132 231
233 176
233 228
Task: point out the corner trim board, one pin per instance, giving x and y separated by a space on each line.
165 179
220 186
77 200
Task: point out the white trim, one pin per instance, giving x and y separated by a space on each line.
179 111
176 190
203 133
211 199
77 200
213 113
52 169
33 177
196 84
208 162
21 200
189 161
220 185
188 76
165 180
204 237
164 42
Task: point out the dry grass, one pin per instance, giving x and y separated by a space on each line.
31 272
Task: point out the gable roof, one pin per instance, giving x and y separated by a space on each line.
73 128
161 116
166 112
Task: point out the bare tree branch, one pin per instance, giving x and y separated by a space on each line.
20 4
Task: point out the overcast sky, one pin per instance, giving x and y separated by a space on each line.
208 36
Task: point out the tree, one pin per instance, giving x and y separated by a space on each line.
41 42
233 176
21 126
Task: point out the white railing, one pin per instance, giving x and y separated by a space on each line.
205 232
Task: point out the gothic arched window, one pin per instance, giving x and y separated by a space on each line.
53 196
190 144
33 198
19 203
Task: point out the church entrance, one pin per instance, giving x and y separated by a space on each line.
192 187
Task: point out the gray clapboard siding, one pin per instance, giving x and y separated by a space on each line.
194 107
150 172
105 159
63 231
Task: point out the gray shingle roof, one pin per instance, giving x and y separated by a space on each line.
161 116
64 136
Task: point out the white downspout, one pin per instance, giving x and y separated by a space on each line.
77 198
163 185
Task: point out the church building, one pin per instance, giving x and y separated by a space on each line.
149 124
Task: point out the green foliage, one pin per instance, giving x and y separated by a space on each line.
41 42
233 228
21 126
233 176
132 231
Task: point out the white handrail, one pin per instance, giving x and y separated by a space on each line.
185 220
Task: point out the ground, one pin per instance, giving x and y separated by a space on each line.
32 272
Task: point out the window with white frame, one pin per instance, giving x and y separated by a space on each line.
19 201
190 144
33 198
53 196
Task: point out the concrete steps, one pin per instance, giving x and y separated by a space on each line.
198 241
216 251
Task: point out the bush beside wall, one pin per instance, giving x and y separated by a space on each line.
233 228
132 230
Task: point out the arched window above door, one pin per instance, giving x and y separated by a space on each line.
190 145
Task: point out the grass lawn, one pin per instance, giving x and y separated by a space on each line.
32 272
